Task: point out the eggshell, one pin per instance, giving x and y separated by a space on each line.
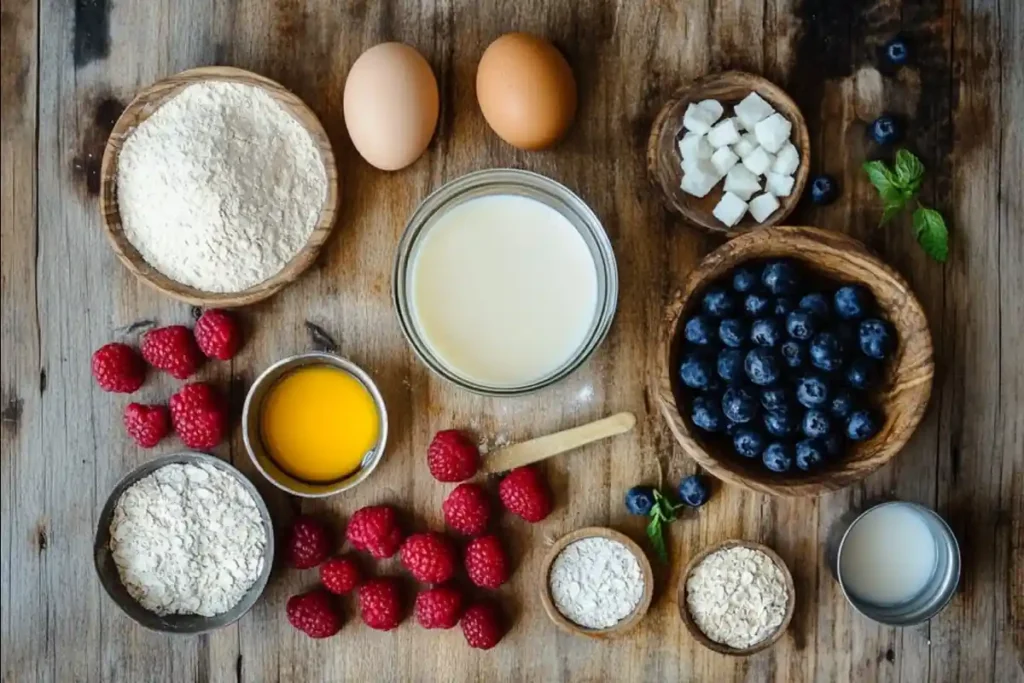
526 90
391 105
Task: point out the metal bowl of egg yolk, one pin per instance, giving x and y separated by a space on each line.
314 424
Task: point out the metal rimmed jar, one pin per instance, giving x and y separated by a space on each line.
517 183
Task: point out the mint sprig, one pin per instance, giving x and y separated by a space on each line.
898 186
662 513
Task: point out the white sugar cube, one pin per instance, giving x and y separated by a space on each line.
714 107
779 185
787 160
773 132
695 146
741 182
759 161
746 145
723 134
730 209
723 159
698 119
762 206
752 109
697 184
738 122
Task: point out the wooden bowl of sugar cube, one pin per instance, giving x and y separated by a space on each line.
729 152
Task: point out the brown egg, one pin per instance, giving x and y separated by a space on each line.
391 105
526 90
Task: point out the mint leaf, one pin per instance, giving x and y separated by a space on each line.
909 172
655 533
882 178
892 208
932 235
663 507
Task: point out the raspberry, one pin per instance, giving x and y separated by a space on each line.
314 614
217 335
379 604
309 543
523 492
118 368
429 557
467 510
199 416
452 457
374 529
339 575
147 425
481 624
486 565
438 607
172 349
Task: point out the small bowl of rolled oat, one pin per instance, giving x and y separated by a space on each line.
737 598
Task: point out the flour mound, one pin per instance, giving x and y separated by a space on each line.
596 582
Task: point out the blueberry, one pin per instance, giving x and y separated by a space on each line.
862 373
756 305
833 444
733 332
778 457
640 500
781 422
817 303
773 398
767 332
852 302
810 453
780 277
719 303
816 423
693 491
700 330
783 306
748 442
801 324
746 279
823 190
730 365
875 338
841 403
762 366
886 130
827 352
794 353
739 404
696 371
897 51
811 391
862 425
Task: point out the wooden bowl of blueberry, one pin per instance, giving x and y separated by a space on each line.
794 362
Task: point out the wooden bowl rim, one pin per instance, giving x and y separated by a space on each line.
812 484
134 114
721 648
623 626
701 219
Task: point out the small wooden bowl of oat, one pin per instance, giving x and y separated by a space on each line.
721 570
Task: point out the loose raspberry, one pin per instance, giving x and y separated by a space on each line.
524 493
452 457
147 425
429 557
481 624
309 543
314 614
339 575
379 604
117 367
217 335
486 564
199 415
172 349
374 529
467 510
438 607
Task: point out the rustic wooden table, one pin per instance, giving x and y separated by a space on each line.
68 69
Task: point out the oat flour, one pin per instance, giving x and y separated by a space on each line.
596 582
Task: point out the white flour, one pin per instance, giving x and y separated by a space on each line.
220 187
737 596
596 582
187 539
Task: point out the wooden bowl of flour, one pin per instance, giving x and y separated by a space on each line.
145 104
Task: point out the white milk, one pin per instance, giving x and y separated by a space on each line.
889 556
503 290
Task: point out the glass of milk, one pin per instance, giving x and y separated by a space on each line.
898 563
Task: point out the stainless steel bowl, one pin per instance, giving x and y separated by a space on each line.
254 444
507 181
189 624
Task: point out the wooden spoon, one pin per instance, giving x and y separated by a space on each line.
544 447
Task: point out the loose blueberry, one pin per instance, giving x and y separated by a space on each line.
824 190
897 51
773 398
886 130
733 332
811 391
827 352
818 304
746 278
756 305
640 500
862 373
696 371
748 442
694 491
875 338
730 365
794 353
719 303
783 306
778 457
816 423
852 302
862 425
801 324
700 330
781 422
739 404
781 277
767 332
842 403
833 444
809 454
762 366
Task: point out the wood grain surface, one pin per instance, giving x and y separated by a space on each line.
69 68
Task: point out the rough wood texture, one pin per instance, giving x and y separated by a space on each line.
67 70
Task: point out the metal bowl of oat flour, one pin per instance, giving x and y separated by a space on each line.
188 624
